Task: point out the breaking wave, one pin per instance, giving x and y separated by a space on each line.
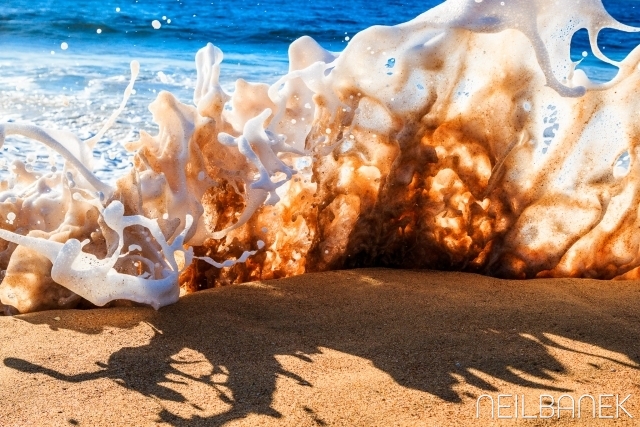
465 139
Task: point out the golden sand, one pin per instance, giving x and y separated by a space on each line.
363 347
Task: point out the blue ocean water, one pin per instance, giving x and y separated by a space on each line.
124 27
65 63
240 26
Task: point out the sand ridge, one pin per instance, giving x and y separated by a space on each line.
362 347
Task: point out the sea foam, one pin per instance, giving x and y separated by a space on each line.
464 139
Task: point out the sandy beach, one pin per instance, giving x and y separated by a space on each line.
354 348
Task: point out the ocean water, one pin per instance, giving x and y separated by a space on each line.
65 64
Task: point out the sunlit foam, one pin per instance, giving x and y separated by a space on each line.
464 139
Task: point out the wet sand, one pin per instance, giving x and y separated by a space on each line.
364 348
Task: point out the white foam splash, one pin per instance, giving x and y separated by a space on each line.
466 127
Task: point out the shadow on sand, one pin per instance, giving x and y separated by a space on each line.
419 327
